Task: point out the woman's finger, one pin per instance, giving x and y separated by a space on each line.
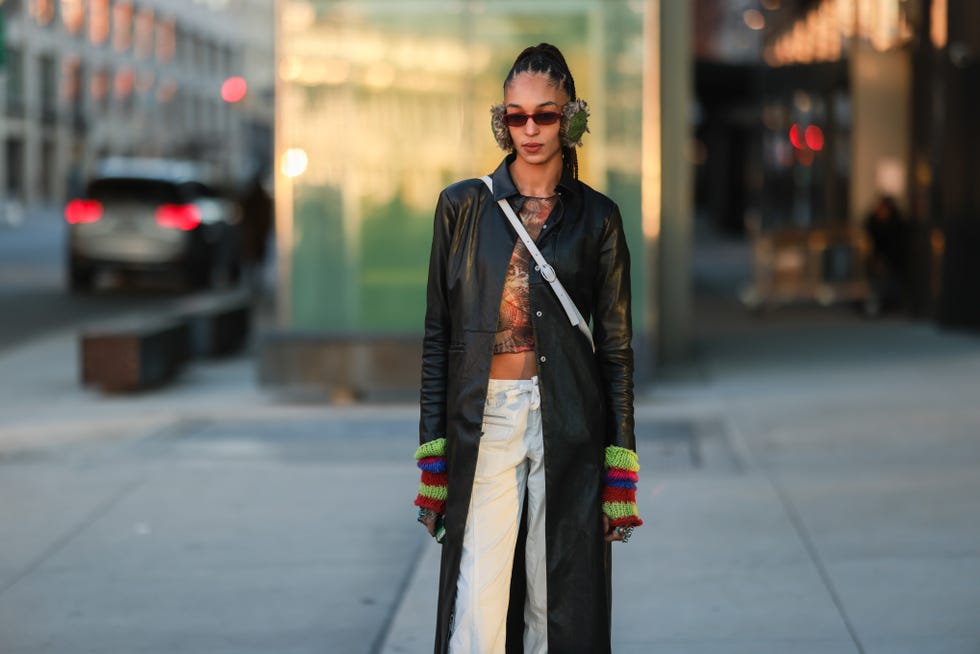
611 533
430 524
428 520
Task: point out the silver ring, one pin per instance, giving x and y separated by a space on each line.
625 533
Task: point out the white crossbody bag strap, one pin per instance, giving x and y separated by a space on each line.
574 315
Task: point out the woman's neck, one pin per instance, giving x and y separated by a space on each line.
536 181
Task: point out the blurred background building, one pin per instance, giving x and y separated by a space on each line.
88 79
794 118
773 126
809 112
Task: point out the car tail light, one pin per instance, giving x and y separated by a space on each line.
83 211
179 216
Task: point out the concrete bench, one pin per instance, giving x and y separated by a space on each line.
218 325
340 367
133 354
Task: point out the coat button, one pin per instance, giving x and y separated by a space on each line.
543 359
538 314
537 267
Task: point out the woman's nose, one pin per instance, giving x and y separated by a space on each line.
530 127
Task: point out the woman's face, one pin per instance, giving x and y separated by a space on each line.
534 93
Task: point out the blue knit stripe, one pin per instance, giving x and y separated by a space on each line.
433 466
621 483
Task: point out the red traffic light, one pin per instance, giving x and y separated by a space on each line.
234 89
814 138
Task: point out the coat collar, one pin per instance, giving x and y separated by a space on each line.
504 187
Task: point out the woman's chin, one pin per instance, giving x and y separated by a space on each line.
537 158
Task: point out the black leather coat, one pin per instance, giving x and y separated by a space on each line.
586 397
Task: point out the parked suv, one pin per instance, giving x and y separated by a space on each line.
155 217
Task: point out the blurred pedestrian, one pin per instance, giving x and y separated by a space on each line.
527 449
257 222
887 268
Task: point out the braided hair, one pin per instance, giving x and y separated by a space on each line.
547 60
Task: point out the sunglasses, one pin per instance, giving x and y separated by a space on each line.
543 118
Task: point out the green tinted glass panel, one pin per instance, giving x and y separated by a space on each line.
384 103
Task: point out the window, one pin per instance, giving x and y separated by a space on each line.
73 15
10 7
15 168
166 91
15 82
98 21
166 40
71 79
99 89
183 42
123 88
43 11
122 26
48 172
143 30
73 90
49 88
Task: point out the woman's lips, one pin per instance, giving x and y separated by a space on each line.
532 147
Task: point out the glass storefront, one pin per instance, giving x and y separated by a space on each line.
381 104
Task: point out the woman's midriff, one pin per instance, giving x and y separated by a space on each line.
513 365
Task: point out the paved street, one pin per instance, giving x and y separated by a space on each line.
34 299
810 485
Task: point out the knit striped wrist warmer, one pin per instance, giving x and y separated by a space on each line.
431 459
619 490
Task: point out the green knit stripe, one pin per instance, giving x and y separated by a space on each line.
435 492
619 509
432 448
620 457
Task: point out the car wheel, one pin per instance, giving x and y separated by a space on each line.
235 272
80 278
199 275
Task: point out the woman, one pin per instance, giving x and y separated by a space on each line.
527 449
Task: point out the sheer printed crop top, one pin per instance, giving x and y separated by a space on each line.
514 330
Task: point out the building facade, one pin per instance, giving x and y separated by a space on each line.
892 85
86 79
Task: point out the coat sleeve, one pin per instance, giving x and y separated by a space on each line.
613 332
435 343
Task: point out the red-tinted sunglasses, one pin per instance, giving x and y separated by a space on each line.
543 118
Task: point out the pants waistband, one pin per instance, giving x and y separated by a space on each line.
516 387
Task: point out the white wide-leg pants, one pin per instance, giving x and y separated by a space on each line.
510 464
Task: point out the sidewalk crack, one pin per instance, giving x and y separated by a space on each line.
796 519
381 641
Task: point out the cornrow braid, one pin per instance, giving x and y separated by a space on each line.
546 59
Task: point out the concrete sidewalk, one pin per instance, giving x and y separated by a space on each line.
810 485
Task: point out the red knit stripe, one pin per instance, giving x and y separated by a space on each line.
432 459
439 506
612 494
435 478
619 473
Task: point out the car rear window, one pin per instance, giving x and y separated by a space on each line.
149 191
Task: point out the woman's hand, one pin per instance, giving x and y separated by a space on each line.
615 533
428 519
